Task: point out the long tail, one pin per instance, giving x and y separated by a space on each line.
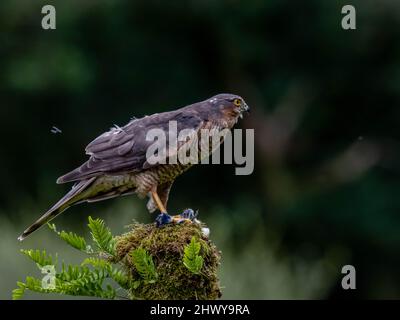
72 197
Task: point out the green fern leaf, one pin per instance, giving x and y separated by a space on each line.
102 236
98 263
71 238
191 258
74 240
86 279
82 281
18 293
117 275
144 264
120 277
31 284
40 257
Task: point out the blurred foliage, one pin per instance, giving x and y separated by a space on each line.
86 279
324 109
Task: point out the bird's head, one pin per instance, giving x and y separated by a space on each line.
230 105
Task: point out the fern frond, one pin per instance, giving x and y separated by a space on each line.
31 284
97 262
121 278
144 264
71 238
86 279
74 240
191 258
40 257
102 236
82 281
116 274
72 273
18 293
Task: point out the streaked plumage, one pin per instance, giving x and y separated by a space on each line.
117 165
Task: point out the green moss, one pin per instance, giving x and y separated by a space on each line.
166 248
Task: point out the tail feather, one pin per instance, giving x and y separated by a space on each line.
71 198
74 175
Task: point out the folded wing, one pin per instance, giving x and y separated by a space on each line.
124 149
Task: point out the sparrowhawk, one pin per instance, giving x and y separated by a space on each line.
118 165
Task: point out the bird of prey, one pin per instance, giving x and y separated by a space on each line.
118 166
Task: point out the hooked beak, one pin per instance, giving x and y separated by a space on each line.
244 109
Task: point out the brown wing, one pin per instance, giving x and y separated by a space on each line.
124 149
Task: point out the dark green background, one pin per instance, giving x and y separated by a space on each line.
325 109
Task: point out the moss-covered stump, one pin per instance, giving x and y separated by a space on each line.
173 262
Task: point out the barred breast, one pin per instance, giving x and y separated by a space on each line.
119 184
168 172
142 182
145 180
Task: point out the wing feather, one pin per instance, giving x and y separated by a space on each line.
124 149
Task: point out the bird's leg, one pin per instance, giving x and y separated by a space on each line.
163 218
162 191
158 202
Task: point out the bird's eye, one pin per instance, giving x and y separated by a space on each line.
237 102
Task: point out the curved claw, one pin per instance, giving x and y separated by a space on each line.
188 215
162 219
